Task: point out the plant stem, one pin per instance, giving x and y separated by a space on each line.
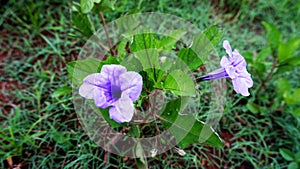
112 52
269 76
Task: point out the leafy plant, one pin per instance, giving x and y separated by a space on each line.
294 159
271 64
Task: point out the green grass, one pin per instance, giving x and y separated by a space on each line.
41 131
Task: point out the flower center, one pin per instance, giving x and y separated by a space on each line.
116 92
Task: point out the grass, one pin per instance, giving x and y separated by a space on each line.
41 131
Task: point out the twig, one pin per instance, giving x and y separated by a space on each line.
112 52
269 76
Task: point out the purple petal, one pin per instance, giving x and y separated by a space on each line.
231 71
86 90
131 83
123 109
238 60
110 74
225 61
227 47
100 99
241 85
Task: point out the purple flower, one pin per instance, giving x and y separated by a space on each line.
233 67
113 87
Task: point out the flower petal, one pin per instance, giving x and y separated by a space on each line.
225 61
227 47
100 99
110 74
86 90
123 109
240 86
231 71
131 83
238 60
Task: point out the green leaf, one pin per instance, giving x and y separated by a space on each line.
141 160
185 128
63 90
167 43
254 108
148 58
286 50
286 154
144 41
86 5
206 42
297 157
260 68
273 35
180 83
248 57
263 54
127 24
78 70
82 21
105 5
296 113
213 34
190 58
293 98
284 87
292 61
140 164
134 131
293 165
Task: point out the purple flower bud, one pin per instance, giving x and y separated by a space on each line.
233 67
113 87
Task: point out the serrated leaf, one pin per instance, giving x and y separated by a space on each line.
263 54
286 50
180 83
273 35
286 154
185 128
